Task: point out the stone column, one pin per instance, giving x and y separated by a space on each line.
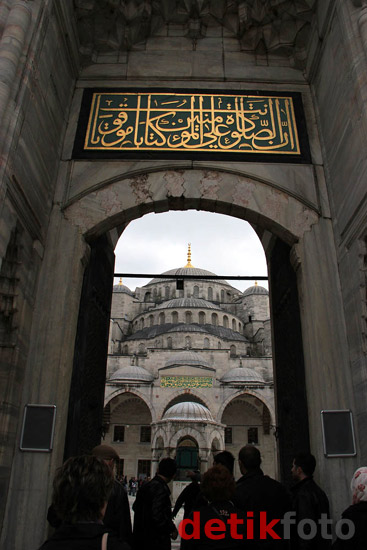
11 48
47 381
327 367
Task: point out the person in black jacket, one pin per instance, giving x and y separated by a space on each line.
82 487
189 495
309 502
357 514
153 525
256 492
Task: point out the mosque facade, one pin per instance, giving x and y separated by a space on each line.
189 373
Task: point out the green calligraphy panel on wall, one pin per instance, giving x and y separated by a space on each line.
186 382
192 122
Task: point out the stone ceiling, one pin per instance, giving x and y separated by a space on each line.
275 27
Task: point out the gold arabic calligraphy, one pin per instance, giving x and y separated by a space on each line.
192 122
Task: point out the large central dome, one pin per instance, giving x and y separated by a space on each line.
181 271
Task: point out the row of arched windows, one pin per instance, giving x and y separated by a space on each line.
168 293
188 318
169 343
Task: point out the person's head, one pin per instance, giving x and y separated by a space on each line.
81 489
226 459
218 484
249 459
167 468
358 485
194 475
106 453
303 466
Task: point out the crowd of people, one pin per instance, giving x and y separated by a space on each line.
90 507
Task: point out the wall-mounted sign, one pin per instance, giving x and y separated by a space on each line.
121 123
38 428
338 433
186 382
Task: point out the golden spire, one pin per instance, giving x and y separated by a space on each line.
189 257
120 283
255 283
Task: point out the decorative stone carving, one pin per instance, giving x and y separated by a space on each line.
278 27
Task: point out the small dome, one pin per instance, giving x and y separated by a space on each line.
187 358
133 374
188 303
188 411
122 288
242 375
256 289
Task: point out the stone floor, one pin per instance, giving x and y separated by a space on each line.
175 544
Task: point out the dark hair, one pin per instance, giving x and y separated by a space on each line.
306 461
226 459
106 452
218 483
250 457
81 487
167 467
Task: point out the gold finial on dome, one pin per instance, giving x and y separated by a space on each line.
255 283
120 283
189 257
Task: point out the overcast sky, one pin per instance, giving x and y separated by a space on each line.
158 242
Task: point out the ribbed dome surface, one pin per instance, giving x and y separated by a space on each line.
122 288
242 374
188 411
183 271
132 373
187 302
256 289
187 358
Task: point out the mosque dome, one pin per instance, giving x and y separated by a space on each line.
242 375
188 411
256 289
187 302
122 288
132 374
188 359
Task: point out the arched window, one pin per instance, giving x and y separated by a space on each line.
219 345
125 349
142 323
233 351
147 297
188 342
222 295
169 342
225 321
210 293
196 291
166 292
202 317
233 324
174 317
206 343
151 320
214 319
155 292
239 327
162 318
188 317
141 349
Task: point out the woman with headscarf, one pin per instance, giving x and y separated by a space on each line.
356 513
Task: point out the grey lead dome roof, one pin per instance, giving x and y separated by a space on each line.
122 288
187 302
187 358
256 289
242 374
132 373
183 271
188 411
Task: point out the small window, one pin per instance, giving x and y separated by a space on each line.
233 351
174 317
225 321
196 291
202 317
214 319
206 343
252 436
188 317
119 433
210 293
227 436
151 320
169 342
145 434
166 290
162 318
222 295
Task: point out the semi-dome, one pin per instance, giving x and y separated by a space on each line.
242 375
255 289
187 302
132 374
189 412
187 358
